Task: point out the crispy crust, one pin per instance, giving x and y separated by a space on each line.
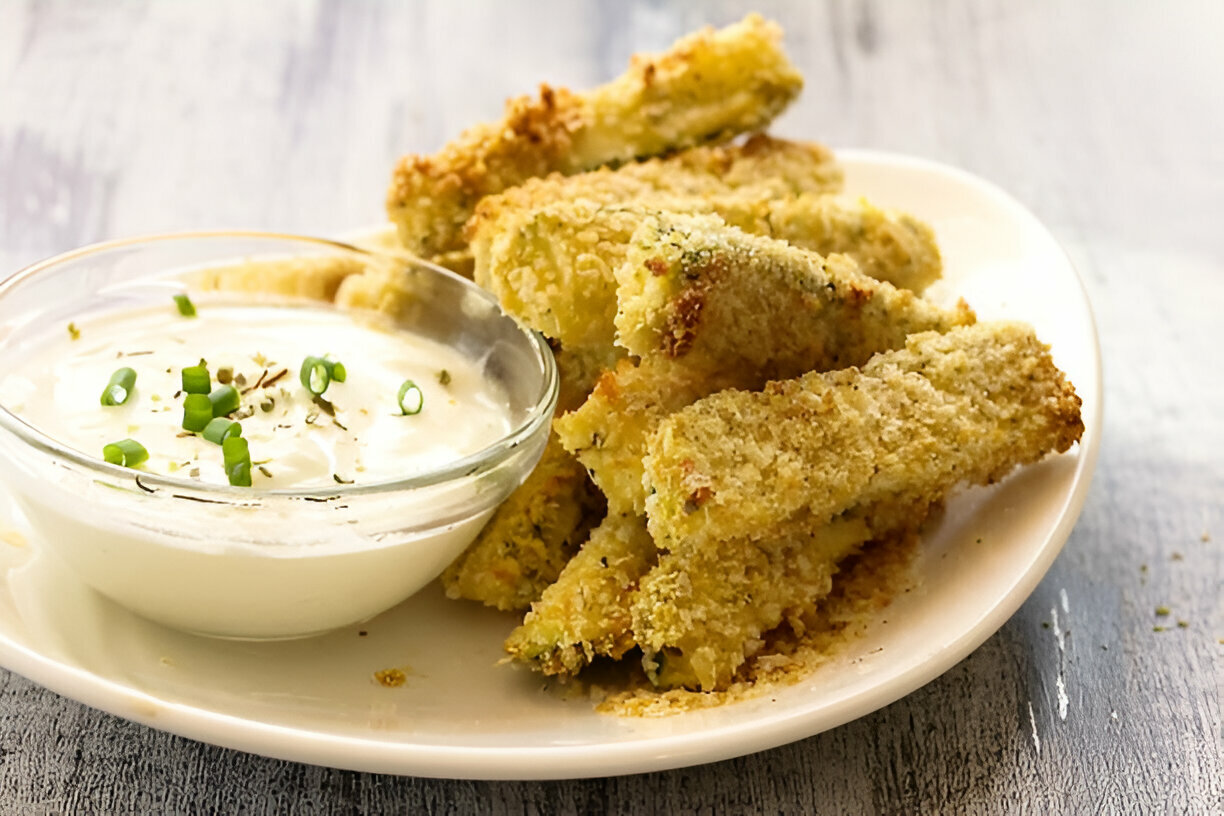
693 288
761 166
710 307
968 405
318 278
848 456
709 87
554 266
586 612
700 614
531 536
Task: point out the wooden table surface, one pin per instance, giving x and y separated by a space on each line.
1106 119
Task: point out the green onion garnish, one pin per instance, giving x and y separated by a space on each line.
237 458
319 372
316 375
126 452
197 412
410 398
225 400
220 429
185 306
196 380
120 387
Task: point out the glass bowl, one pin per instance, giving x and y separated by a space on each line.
243 562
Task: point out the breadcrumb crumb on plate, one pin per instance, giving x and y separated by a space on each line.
463 715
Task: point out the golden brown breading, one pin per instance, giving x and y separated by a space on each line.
887 245
699 614
316 277
586 612
726 310
696 290
531 536
761 166
709 87
844 457
608 432
580 371
553 266
970 404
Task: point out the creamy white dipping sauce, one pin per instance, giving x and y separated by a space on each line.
56 387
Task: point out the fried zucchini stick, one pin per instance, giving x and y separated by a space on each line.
548 249
531 536
709 87
554 266
586 612
967 406
709 307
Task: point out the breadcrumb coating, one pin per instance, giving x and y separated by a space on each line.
608 432
531 536
586 612
693 288
316 277
709 87
553 266
701 613
710 307
761 165
967 405
845 457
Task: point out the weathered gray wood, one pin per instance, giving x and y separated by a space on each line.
1104 118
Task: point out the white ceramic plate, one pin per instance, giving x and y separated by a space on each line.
461 715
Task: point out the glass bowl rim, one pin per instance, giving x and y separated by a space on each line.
487 458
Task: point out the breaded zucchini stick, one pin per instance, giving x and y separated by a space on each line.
316 277
848 456
710 307
762 165
554 266
586 612
970 405
700 613
709 87
694 289
531 536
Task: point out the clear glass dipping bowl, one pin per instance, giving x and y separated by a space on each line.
264 564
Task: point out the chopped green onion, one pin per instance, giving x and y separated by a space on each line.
120 387
225 400
410 398
185 306
318 373
239 474
220 429
197 412
315 375
235 449
196 380
237 456
126 452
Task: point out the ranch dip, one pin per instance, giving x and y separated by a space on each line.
356 431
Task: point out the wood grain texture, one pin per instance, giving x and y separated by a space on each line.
1103 118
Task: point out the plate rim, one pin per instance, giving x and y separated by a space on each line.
655 753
